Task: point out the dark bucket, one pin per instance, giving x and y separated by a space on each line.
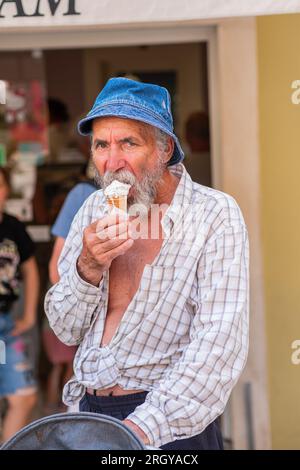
75 431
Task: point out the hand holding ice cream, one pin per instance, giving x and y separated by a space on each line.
103 241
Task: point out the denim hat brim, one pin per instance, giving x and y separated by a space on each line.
128 111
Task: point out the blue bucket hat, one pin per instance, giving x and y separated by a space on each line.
130 99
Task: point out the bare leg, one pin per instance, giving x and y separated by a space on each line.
68 372
54 386
19 409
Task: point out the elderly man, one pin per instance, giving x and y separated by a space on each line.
161 320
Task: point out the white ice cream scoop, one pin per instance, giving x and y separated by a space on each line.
116 195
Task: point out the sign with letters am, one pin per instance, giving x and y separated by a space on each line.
57 13
37 8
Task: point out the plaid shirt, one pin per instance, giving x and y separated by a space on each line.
184 336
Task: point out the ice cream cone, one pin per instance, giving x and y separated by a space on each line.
119 202
116 195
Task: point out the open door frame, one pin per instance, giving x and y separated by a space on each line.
232 79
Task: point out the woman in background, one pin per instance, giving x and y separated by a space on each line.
17 377
59 355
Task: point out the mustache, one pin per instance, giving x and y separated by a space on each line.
124 176
144 190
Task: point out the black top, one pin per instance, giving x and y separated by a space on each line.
16 246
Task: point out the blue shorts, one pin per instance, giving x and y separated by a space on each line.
121 406
16 369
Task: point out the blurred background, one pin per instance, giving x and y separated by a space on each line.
233 70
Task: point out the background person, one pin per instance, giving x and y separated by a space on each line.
59 355
197 160
58 129
17 377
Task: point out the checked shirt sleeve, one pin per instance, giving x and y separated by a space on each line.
71 303
194 392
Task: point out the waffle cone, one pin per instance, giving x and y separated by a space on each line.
119 202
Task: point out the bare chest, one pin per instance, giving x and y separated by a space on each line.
124 279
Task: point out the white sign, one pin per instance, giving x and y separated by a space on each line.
55 13
37 8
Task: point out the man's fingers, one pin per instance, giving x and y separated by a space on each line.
108 220
114 248
108 238
110 244
121 249
113 231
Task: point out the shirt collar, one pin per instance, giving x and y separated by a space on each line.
182 198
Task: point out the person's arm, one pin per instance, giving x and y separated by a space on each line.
194 392
138 431
53 269
61 227
73 202
30 276
71 302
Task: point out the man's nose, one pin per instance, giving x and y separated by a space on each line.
115 160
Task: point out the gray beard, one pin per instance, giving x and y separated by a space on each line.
145 191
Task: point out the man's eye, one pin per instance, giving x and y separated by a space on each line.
130 143
100 145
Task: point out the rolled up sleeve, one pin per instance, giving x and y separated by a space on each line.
71 303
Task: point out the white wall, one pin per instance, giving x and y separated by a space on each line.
241 178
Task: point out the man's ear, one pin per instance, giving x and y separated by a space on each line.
169 150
